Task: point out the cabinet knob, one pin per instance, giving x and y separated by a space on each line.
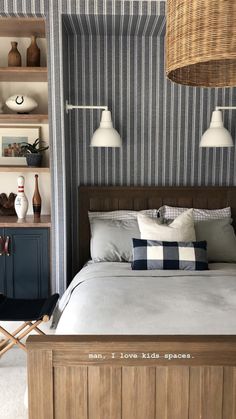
6 246
1 246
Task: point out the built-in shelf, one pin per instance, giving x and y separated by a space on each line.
37 74
23 118
19 169
22 27
29 221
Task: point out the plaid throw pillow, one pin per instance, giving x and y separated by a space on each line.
121 214
170 213
152 254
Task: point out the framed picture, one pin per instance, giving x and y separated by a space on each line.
11 139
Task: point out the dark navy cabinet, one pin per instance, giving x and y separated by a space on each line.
25 262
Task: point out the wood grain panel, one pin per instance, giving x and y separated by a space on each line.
104 393
22 27
40 383
206 393
202 387
195 401
229 394
212 392
70 404
178 393
161 392
138 392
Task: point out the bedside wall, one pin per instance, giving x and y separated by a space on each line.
161 123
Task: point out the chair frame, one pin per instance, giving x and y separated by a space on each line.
21 332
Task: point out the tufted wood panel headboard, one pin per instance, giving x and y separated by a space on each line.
137 198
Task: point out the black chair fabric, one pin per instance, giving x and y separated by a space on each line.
14 309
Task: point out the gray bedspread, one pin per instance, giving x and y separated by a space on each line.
110 298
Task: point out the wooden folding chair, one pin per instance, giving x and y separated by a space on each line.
31 312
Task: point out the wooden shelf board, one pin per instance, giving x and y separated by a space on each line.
19 169
39 74
29 221
22 27
24 118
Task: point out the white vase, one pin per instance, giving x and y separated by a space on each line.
21 201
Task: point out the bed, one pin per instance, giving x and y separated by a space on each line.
174 362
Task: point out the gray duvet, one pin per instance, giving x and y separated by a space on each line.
110 298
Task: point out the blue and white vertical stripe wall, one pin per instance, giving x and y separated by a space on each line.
111 52
117 60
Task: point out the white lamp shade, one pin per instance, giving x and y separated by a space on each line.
216 135
106 135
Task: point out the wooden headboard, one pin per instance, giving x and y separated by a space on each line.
138 198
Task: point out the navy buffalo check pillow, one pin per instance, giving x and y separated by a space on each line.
152 254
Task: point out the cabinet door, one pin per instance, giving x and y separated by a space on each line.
2 264
27 266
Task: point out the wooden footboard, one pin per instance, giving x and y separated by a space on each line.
132 377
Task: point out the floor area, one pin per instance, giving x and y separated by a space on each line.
13 379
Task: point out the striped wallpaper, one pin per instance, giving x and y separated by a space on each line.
115 53
119 61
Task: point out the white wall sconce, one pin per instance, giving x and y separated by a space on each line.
106 135
217 135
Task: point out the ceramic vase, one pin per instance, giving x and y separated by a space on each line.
14 57
36 201
21 201
33 53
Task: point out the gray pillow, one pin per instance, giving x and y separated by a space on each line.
111 240
220 237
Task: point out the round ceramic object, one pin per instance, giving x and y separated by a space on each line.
21 103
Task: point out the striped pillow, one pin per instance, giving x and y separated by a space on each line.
152 254
170 213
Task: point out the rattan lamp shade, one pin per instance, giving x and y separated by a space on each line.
201 42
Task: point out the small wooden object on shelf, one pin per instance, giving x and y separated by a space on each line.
33 53
14 57
36 201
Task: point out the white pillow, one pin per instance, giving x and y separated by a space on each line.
181 229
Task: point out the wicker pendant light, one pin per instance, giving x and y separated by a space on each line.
201 42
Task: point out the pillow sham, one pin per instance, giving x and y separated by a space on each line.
181 229
112 233
152 254
121 214
111 240
170 213
220 237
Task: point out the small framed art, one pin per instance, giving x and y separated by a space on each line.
11 139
